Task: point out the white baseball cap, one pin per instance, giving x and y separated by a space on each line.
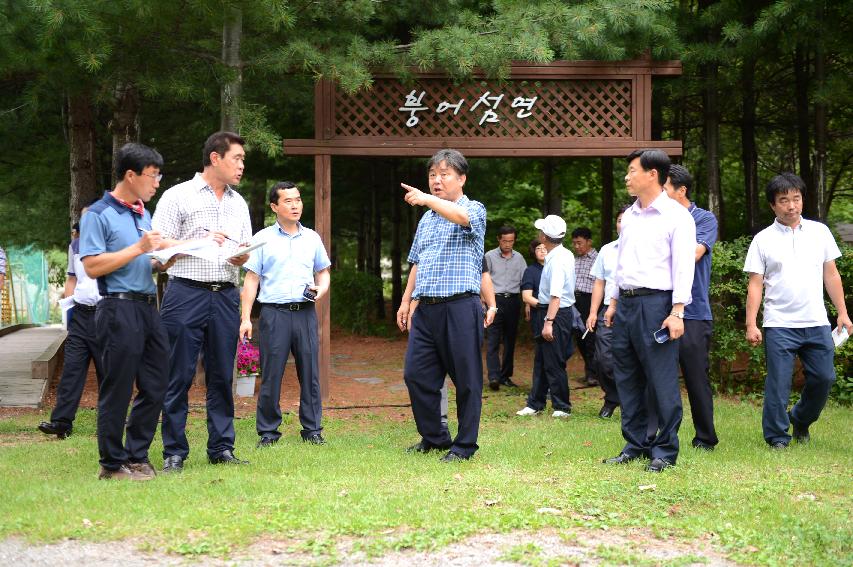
552 225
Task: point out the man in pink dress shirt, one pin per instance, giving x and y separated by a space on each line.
654 276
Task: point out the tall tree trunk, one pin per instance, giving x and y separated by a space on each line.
125 122
606 200
376 243
396 248
820 128
801 96
553 198
363 229
749 154
81 142
711 121
232 34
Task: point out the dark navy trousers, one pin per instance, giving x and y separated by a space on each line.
283 332
197 318
134 350
816 350
445 339
549 361
81 347
604 360
502 333
588 345
640 362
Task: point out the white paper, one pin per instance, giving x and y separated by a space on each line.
205 248
840 336
246 250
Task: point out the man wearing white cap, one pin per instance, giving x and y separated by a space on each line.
553 318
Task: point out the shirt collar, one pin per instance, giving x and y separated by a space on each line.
782 228
200 184
115 204
282 232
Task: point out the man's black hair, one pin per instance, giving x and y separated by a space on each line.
280 186
136 157
784 183
507 229
652 159
680 177
219 142
582 232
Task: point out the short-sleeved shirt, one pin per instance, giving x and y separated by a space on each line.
188 211
604 269
287 263
583 265
109 226
558 277
449 256
706 235
506 273
530 279
86 289
791 261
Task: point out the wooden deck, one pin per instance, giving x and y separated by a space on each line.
28 359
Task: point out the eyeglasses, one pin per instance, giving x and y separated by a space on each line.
444 176
156 177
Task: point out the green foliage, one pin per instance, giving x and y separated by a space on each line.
353 295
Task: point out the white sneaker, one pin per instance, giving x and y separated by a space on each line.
527 411
560 413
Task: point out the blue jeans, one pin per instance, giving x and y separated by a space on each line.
816 351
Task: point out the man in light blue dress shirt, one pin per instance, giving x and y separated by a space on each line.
292 270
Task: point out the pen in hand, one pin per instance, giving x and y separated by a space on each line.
226 237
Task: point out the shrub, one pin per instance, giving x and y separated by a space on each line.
353 296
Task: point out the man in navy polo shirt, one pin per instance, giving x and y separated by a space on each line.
695 345
447 328
291 267
115 238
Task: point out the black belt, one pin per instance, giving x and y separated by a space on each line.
426 300
211 286
143 297
84 307
583 293
506 295
639 292
290 306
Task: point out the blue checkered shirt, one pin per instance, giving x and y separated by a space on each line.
449 256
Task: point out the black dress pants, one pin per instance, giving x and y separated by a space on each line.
81 347
586 346
134 351
502 332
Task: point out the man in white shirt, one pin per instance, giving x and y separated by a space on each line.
793 260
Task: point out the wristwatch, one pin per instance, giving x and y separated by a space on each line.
679 314
547 319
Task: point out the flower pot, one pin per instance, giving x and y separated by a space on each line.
245 385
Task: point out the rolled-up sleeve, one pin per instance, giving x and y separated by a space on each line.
476 219
683 250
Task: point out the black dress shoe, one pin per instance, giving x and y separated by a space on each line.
452 457
778 445
315 439
606 412
421 447
173 463
657 465
494 385
266 442
620 459
800 434
703 446
55 428
226 458
508 383
592 382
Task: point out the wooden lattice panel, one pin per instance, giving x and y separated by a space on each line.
576 108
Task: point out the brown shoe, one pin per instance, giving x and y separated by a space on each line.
122 473
144 469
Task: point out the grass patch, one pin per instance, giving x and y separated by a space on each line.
758 506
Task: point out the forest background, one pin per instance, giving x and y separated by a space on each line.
765 88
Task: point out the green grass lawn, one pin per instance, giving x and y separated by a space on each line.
756 505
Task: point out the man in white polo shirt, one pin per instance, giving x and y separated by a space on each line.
793 260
